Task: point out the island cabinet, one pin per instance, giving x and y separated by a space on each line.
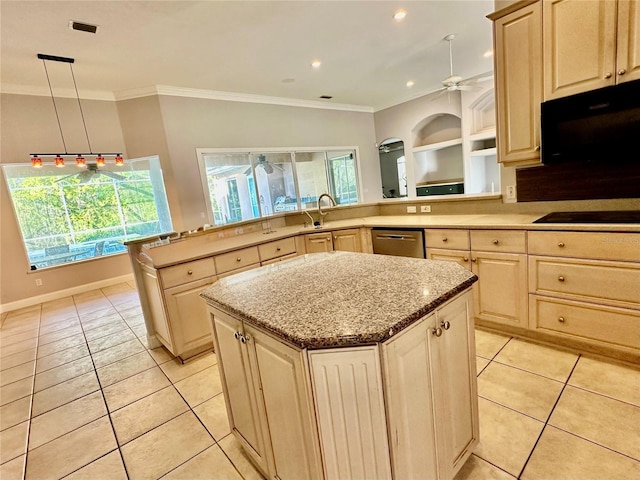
371 394
586 286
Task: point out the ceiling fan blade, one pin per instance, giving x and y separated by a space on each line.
115 176
466 87
441 91
65 177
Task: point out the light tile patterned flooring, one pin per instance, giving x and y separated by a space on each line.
82 397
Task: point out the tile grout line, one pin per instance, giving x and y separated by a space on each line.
549 416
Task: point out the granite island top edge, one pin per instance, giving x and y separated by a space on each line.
345 299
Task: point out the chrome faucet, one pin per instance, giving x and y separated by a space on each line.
322 214
310 217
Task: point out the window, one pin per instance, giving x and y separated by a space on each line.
248 185
70 214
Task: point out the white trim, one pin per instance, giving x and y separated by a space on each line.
237 97
43 91
48 297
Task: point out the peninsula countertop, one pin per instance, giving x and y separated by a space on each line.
339 299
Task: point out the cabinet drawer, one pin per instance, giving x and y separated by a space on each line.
447 238
279 259
187 272
596 245
277 248
514 241
608 282
236 259
589 321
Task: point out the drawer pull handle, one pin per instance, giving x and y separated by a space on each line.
560 278
190 272
445 239
278 249
561 244
238 259
561 319
496 241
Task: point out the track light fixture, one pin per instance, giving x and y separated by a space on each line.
36 158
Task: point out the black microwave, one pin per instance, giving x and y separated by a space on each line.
598 126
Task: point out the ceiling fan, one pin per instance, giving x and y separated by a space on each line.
455 82
92 170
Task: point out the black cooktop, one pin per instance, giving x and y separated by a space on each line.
623 216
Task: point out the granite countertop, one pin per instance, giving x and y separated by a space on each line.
339 299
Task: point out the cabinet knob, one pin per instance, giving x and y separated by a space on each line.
244 339
278 249
329 238
496 241
622 71
561 319
335 237
465 259
607 75
190 272
437 331
537 149
561 244
445 239
237 335
446 325
238 259
560 278
474 260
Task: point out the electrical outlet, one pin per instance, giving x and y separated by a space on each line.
411 209
511 192
38 282
425 208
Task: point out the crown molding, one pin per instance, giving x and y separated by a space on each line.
236 97
41 91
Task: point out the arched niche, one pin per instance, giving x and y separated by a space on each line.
440 127
483 113
393 170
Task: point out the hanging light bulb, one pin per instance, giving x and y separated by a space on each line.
119 160
100 161
59 161
36 162
80 161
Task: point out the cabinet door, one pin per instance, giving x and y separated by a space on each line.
628 40
288 409
459 256
501 291
318 242
579 46
454 384
518 65
188 316
156 305
347 240
238 387
408 390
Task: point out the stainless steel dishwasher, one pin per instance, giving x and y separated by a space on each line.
403 243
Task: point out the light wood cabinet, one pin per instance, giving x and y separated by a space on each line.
589 44
431 393
236 260
518 79
155 300
348 240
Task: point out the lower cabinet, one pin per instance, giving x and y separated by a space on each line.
404 409
430 387
348 240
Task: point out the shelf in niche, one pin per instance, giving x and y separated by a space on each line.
483 135
485 152
437 146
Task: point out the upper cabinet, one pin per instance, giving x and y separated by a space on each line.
518 79
589 44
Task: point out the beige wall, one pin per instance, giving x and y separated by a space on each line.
29 125
191 123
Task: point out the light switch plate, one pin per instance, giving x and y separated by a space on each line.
511 192
425 208
411 209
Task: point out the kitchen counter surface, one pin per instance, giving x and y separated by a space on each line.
207 244
342 298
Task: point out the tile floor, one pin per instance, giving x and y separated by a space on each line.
82 397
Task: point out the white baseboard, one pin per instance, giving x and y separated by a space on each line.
48 297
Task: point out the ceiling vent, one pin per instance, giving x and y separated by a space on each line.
83 27
326 97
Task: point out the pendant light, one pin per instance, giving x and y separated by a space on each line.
36 158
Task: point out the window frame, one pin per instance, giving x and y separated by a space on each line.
253 152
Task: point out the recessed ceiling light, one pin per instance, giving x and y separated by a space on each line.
410 83
316 64
487 54
399 15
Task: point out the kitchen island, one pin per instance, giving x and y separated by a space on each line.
349 365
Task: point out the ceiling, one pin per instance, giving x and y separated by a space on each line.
247 47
